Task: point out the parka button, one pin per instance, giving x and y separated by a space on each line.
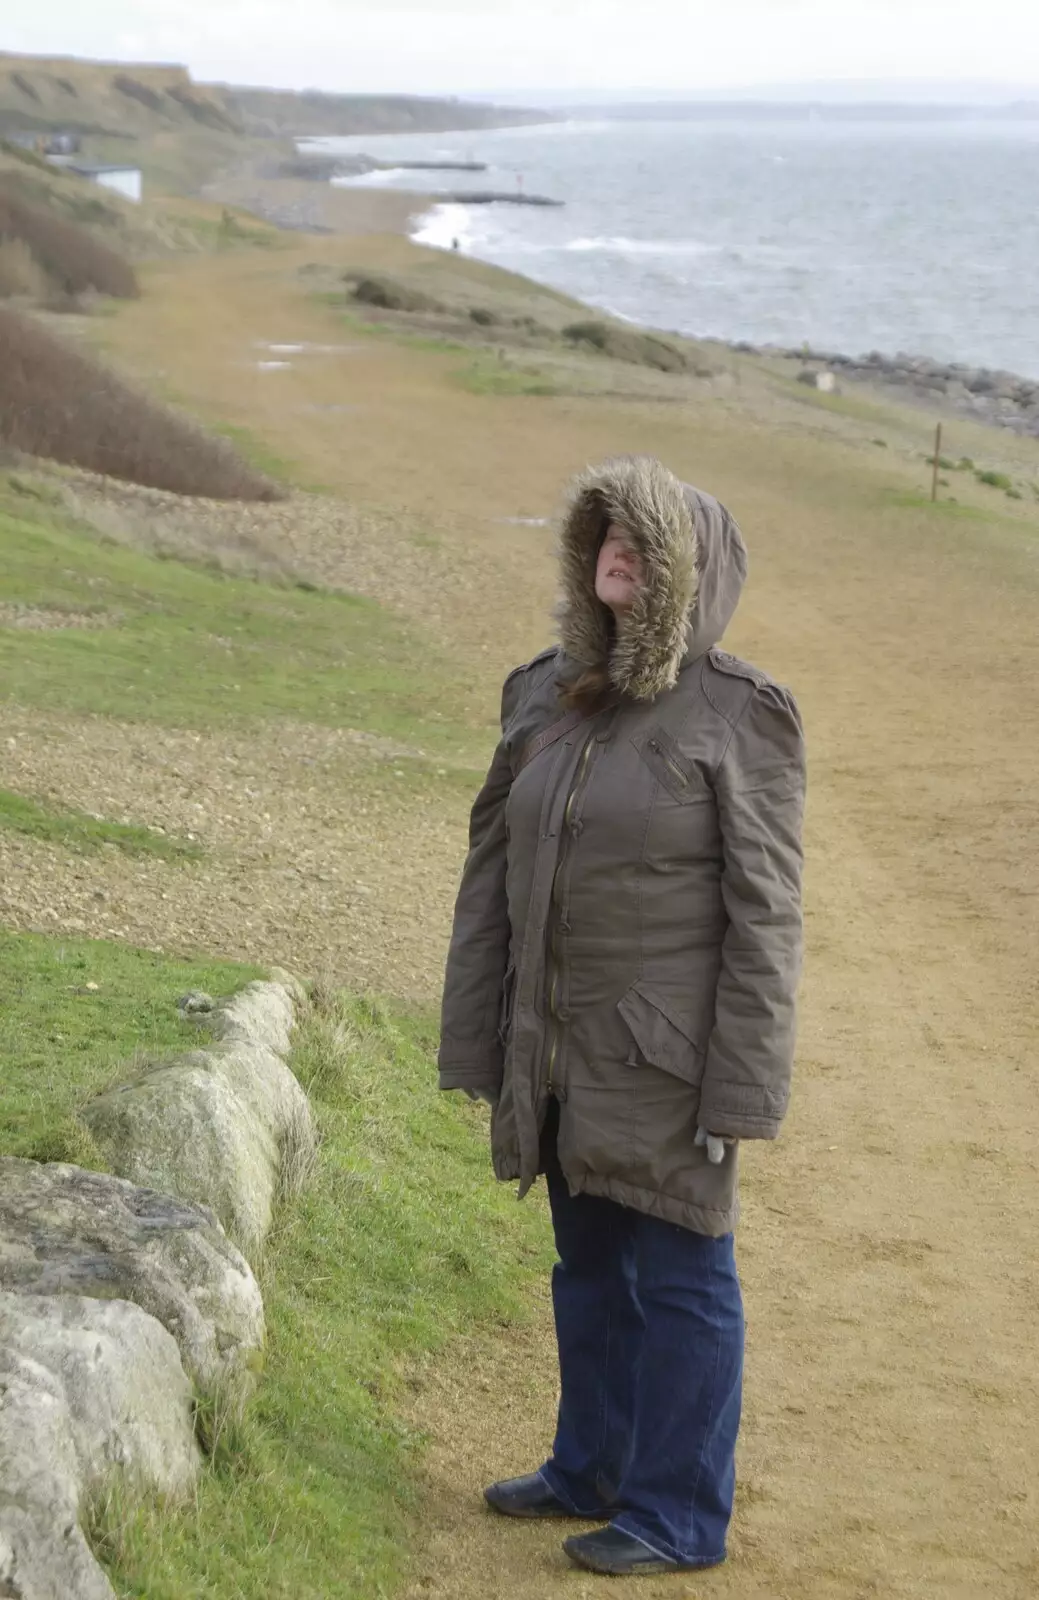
577 828
563 1014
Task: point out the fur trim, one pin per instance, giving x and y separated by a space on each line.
643 497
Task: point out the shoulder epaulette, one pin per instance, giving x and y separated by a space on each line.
544 655
735 668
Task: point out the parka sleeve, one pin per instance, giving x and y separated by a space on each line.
760 793
471 1055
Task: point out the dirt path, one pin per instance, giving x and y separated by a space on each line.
888 1248
891 1446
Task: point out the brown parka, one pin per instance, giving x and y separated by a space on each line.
627 935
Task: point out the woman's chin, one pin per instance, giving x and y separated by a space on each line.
618 596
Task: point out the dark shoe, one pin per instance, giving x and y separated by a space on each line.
526 1497
621 1555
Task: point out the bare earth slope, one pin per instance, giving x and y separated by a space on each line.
888 1248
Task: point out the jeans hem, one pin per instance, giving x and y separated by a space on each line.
551 1480
623 1525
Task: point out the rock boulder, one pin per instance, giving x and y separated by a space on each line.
64 1231
227 1126
88 1389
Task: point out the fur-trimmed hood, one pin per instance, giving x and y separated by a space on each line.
695 565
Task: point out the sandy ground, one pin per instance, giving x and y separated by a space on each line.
891 1445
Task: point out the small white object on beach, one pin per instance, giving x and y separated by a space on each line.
826 382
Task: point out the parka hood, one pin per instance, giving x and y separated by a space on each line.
695 567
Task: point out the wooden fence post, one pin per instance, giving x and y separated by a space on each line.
937 461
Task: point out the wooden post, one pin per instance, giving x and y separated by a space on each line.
937 461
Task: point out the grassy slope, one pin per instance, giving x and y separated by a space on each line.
61 1042
79 830
191 648
400 1245
402 1242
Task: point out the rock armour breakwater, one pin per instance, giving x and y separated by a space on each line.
1004 399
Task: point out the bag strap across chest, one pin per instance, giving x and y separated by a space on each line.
549 736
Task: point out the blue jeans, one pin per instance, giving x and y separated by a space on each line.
649 1323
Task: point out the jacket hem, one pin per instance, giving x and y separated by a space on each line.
669 1208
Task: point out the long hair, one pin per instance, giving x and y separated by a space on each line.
585 693
593 685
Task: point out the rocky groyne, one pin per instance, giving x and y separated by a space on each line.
1003 399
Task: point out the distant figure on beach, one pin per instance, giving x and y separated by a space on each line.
621 989
456 244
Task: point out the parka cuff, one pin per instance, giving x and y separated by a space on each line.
471 1064
742 1111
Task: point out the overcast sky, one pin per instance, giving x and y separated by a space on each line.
469 46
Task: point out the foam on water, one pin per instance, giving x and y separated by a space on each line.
440 228
381 178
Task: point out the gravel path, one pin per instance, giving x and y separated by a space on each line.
313 841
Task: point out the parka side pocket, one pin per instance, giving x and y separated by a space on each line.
663 1038
507 998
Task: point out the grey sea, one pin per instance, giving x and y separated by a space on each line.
852 236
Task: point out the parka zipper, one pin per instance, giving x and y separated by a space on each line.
586 756
553 993
658 749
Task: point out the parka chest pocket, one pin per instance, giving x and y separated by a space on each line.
681 777
661 1036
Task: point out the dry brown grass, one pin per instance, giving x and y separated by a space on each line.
73 260
20 273
61 404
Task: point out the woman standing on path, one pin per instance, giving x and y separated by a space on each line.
620 988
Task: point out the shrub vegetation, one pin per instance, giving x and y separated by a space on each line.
642 349
63 404
73 260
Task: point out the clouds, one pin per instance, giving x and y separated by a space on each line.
445 46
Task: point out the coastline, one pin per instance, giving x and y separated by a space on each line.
993 397
989 395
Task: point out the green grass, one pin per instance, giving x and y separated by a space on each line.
79 831
198 649
266 460
487 377
995 480
941 508
61 1042
431 343
847 405
403 1242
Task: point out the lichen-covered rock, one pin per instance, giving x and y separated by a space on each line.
196 1004
67 1231
88 1389
227 1126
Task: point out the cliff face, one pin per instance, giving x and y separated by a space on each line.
275 111
39 94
